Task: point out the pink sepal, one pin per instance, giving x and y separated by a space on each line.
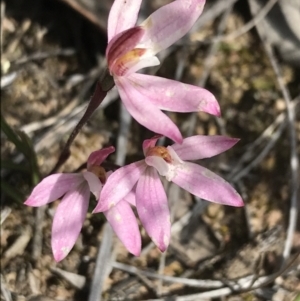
123 15
68 220
170 23
94 183
207 185
174 96
130 198
143 111
97 157
153 209
53 187
123 222
149 143
119 184
199 147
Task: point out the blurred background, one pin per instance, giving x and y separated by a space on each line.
245 52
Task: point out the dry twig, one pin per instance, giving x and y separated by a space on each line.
102 264
103 261
37 244
294 160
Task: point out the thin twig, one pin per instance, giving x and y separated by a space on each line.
242 190
101 267
147 283
185 281
45 55
2 14
251 150
244 284
38 232
294 161
256 19
5 212
5 292
245 28
86 13
89 79
252 156
8 79
122 141
212 13
161 267
259 157
65 124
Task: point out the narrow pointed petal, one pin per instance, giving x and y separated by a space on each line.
119 184
53 187
199 147
97 157
68 221
124 223
207 185
146 113
123 15
153 209
94 183
149 143
170 23
175 96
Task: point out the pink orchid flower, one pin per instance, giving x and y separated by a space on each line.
71 211
131 48
151 200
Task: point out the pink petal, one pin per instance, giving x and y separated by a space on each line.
170 23
153 209
123 15
94 183
68 220
206 185
52 188
199 147
124 223
147 114
175 96
149 143
130 198
119 184
97 157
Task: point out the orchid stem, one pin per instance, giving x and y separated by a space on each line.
101 90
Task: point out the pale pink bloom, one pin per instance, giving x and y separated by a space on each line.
131 48
71 211
142 177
